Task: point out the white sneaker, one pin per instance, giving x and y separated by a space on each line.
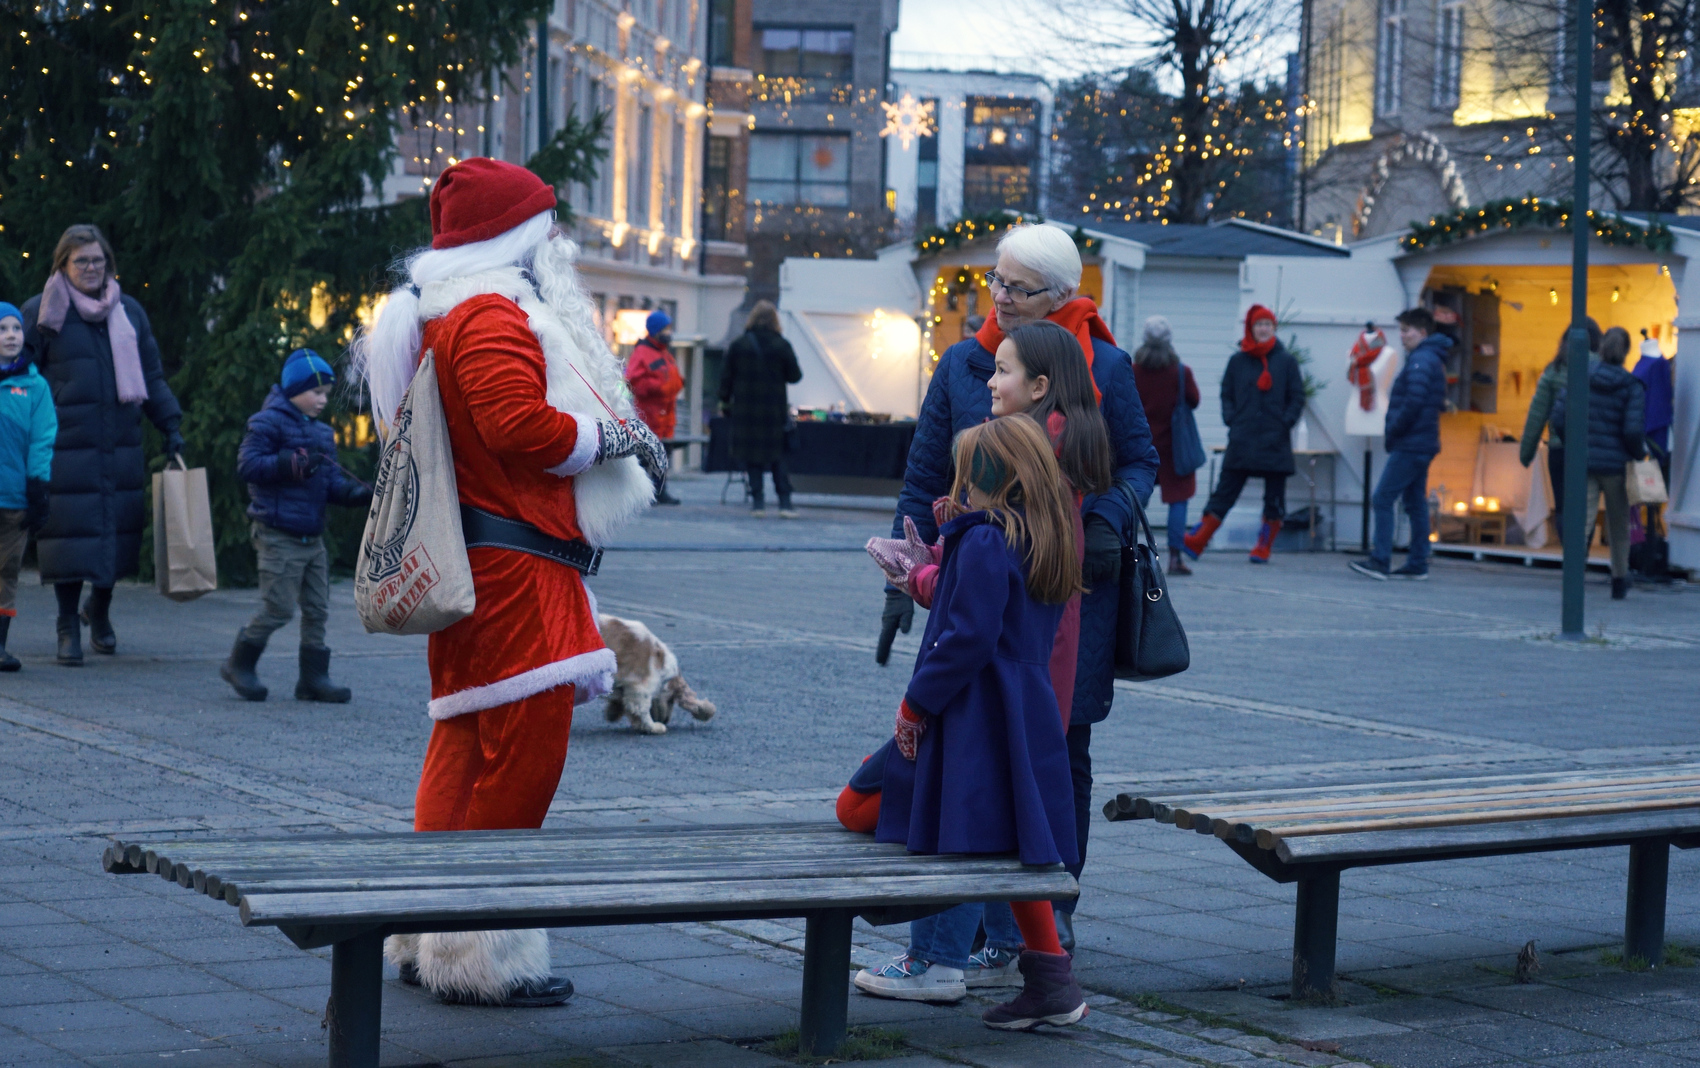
992 968
908 979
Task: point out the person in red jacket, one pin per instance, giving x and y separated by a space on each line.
550 460
654 377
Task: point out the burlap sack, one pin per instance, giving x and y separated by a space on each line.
413 576
185 560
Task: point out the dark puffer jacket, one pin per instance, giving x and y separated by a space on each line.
759 364
959 398
1418 395
94 531
1617 417
276 499
1260 421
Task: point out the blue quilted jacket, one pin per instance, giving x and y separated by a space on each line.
959 398
1417 399
293 507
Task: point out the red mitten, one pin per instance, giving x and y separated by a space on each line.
910 726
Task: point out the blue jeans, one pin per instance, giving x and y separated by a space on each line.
1177 523
947 938
1404 478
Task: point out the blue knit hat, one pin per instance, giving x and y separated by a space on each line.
10 311
658 321
305 370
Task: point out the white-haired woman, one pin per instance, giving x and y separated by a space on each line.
1164 384
550 459
1038 277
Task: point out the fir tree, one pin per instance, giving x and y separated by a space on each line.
231 150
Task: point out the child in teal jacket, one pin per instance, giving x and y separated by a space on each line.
28 426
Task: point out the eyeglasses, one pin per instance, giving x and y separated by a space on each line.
992 279
88 263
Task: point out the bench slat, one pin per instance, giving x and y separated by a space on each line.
1268 836
521 905
1537 834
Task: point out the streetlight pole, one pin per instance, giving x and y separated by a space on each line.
1575 532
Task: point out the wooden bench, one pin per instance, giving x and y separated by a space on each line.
1310 835
349 891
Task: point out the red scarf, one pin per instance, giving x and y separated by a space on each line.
1079 317
1365 350
1260 349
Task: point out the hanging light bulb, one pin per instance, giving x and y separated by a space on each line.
1552 295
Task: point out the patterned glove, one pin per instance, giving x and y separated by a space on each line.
945 509
910 726
632 438
898 558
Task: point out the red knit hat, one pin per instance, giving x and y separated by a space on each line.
480 198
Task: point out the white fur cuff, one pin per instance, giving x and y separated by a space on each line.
482 965
592 673
584 449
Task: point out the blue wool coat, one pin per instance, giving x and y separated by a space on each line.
991 773
293 507
959 398
28 426
1417 399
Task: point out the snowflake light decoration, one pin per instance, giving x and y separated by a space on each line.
908 119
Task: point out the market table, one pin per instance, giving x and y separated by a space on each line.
856 450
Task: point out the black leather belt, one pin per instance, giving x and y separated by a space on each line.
486 531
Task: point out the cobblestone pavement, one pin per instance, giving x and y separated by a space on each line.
1302 674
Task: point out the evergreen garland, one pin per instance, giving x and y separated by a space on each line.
1514 215
985 224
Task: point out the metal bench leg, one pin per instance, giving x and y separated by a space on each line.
1644 919
1316 923
826 982
353 1014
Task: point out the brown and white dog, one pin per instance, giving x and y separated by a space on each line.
647 683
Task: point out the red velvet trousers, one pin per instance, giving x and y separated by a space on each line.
496 769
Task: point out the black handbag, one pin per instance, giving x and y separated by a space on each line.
1150 642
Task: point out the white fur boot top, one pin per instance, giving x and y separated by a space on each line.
473 967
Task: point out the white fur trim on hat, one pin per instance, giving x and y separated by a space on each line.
584 448
481 965
592 672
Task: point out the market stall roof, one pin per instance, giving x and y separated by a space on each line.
1232 239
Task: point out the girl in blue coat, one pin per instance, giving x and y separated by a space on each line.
28 426
985 763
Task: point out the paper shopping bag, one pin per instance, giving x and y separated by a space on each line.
1646 482
185 560
413 576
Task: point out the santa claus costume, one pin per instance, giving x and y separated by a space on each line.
548 450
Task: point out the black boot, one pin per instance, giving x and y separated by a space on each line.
8 662
1619 588
1065 929
315 682
70 641
97 616
239 669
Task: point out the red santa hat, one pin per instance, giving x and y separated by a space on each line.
480 198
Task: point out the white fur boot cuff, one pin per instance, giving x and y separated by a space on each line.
481 966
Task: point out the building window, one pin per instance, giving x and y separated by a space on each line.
720 33
717 189
811 55
927 175
1448 54
1000 154
1390 58
806 168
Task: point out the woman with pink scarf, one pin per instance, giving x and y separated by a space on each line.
96 349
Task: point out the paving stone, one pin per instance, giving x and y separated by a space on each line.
709 1054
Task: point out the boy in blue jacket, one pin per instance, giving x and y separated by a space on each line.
288 459
28 426
1413 441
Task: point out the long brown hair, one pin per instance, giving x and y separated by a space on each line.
1010 461
1044 348
763 315
74 238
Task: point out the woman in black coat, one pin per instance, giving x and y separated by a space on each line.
759 364
105 375
1263 398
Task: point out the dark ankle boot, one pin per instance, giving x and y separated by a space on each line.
1619 588
70 641
1050 996
97 616
315 681
239 669
8 662
1177 563
1065 929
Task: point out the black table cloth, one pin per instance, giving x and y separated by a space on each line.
880 450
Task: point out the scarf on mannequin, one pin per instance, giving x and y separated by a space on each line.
59 295
1079 317
1261 349
1365 351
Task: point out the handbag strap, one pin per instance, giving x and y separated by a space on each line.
1141 523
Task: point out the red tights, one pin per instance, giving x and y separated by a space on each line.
1038 925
